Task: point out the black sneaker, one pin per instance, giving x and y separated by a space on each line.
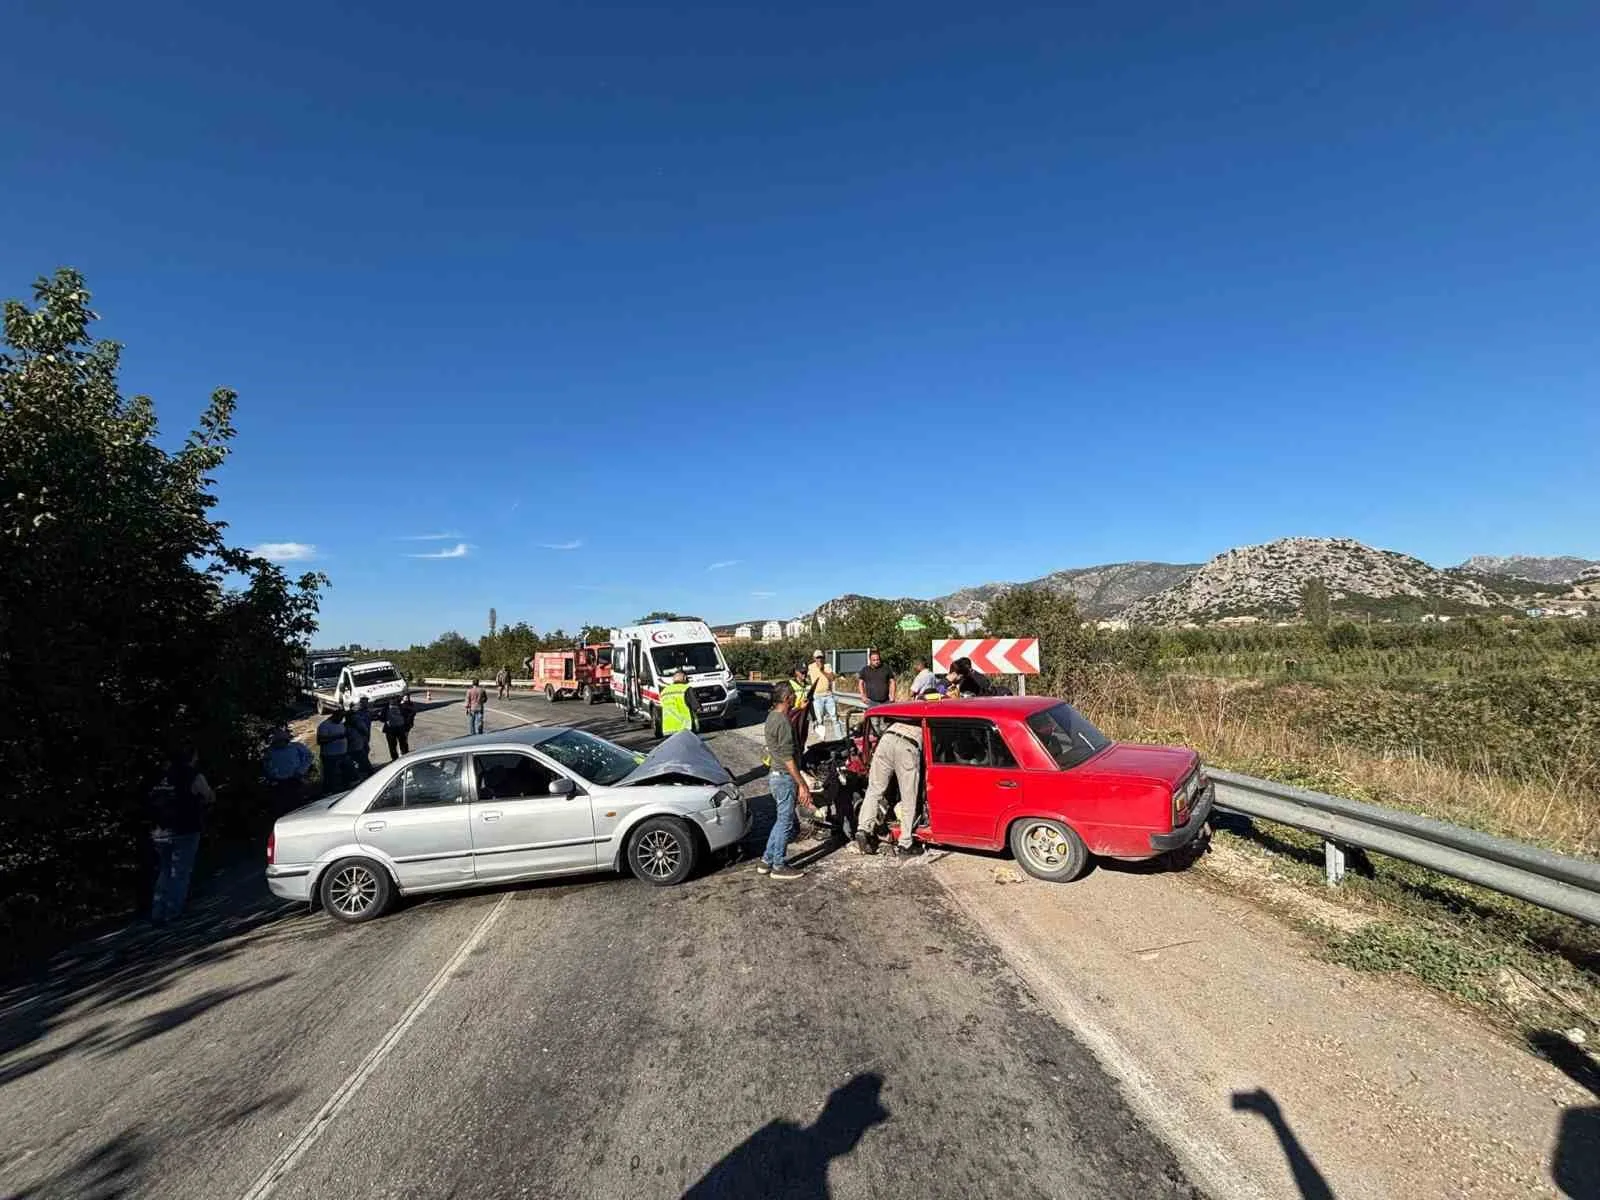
763 867
785 872
866 843
911 851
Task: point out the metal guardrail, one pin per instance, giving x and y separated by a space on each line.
1558 882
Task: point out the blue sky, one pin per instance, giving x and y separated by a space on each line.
732 311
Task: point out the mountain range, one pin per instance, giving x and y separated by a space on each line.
1266 581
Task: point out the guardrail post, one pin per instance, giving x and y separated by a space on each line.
1333 862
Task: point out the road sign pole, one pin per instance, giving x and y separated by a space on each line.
1022 685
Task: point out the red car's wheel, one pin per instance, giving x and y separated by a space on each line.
1047 849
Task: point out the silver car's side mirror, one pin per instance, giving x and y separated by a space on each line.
562 787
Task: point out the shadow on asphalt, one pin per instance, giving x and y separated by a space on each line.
93 981
108 1172
1310 1181
789 1160
1575 1162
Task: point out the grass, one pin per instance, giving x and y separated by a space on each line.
1523 967
1244 726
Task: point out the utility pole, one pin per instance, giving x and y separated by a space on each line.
492 623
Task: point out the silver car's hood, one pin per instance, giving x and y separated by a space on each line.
320 805
683 757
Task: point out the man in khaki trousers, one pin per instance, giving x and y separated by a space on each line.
898 756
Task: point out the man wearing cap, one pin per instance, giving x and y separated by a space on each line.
824 708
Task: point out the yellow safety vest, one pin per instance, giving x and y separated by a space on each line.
800 690
675 714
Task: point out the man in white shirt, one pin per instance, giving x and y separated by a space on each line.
924 682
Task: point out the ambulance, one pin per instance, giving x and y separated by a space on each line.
644 658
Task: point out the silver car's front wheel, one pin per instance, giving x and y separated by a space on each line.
661 851
356 889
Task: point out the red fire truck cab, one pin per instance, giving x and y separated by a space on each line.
583 671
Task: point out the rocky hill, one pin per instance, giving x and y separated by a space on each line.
1100 591
1558 569
1266 581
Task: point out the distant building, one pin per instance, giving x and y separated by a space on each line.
743 633
772 631
796 628
1112 623
964 623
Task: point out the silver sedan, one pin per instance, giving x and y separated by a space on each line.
501 807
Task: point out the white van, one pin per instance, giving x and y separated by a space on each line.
376 681
644 657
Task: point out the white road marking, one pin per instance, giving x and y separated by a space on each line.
510 717
346 1091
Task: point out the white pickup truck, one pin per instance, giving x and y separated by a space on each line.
378 682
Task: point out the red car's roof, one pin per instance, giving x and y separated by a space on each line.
974 706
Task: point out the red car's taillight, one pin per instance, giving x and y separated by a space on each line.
272 848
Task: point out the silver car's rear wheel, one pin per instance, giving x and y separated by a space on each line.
662 851
356 889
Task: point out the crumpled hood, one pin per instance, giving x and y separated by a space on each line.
682 758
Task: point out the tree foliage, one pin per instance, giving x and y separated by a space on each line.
1316 608
1066 646
127 622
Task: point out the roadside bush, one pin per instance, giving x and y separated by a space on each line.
127 623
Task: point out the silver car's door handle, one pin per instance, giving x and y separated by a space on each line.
374 826
491 816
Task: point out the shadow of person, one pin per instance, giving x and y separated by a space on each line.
1306 1176
782 1159
1575 1162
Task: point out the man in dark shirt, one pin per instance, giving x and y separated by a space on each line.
176 806
785 782
876 681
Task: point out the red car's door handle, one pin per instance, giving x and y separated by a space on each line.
1006 783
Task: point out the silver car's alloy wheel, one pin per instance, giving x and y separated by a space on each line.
353 890
658 853
1045 847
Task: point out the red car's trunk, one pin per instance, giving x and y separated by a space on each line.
1164 764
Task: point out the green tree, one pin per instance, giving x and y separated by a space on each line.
1065 646
1316 609
663 615
595 635
127 623
452 653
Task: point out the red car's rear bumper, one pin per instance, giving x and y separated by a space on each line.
1190 829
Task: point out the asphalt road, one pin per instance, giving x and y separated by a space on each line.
848 1034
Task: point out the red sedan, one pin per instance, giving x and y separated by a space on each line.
1035 775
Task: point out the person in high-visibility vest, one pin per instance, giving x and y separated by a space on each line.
678 706
801 686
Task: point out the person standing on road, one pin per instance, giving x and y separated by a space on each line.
333 742
897 757
395 728
358 725
502 681
409 711
287 766
177 807
786 783
876 681
823 705
477 703
801 686
924 681
679 707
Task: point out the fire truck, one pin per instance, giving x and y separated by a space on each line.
583 671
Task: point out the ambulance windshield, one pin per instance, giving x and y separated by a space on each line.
696 658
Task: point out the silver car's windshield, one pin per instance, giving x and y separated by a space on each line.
600 762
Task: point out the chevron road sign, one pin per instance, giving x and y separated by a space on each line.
992 656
